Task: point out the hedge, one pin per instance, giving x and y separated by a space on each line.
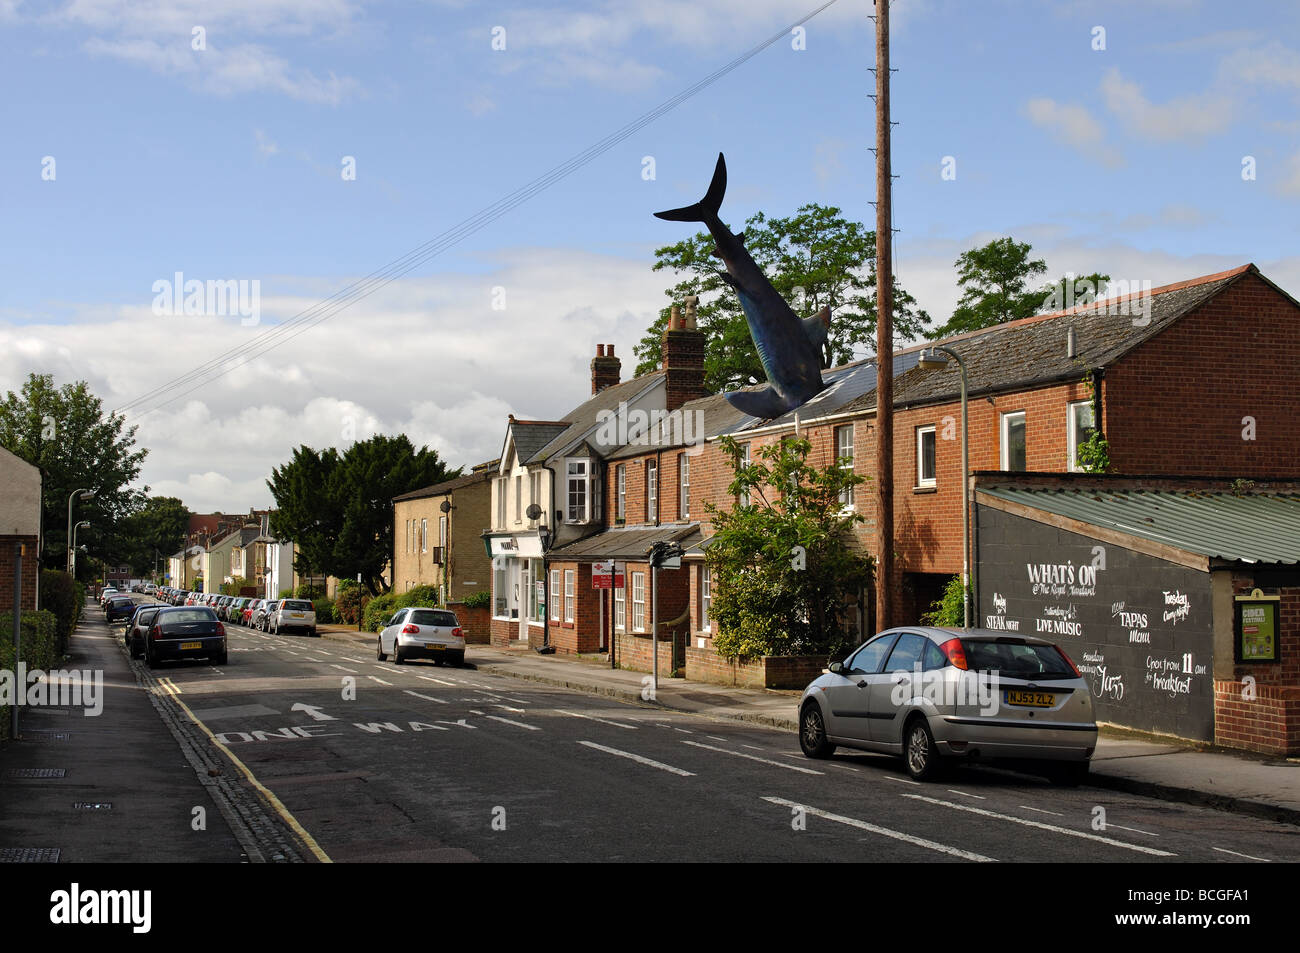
39 648
65 597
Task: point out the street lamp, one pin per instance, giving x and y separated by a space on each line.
932 360
73 552
81 495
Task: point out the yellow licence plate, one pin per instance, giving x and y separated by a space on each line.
191 645
1031 699
434 645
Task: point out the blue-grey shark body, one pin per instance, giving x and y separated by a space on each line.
789 348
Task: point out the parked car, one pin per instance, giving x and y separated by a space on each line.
262 617
937 696
119 609
422 633
137 629
293 615
186 632
107 593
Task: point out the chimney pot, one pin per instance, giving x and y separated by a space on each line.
600 350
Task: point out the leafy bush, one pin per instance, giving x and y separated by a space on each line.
39 648
419 596
478 600
62 595
326 613
379 610
285 594
306 591
350 602
948 610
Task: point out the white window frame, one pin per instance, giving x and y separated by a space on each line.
706 599
501 502
683 486
620 609
638 605
743 499
583 480
534 492
570 594
519 497
620 491
1075 433
424 535
651 491
921 479
1004 448
442 534
554 595
501 592
846 495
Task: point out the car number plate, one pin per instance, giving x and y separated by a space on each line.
1030 699
191 645
435 646
296 615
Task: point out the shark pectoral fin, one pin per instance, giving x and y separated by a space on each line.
817 326
764 404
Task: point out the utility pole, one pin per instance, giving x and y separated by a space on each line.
884 331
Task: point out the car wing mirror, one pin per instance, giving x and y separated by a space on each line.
837 668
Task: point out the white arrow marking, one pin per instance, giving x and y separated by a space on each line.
316 713
462 722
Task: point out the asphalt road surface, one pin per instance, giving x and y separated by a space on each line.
374 761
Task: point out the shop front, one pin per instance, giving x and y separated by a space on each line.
518 589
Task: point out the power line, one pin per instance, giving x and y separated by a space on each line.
323 310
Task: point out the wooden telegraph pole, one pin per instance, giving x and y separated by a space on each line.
884 331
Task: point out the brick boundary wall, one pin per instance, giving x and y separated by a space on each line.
632 651
476 623
31 572
770 671
501 632
1268 723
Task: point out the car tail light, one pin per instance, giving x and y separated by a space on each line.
410 629
456 633
955 654
155 632
221 629
1069 662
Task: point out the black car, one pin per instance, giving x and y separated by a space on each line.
185 632
119 609
137 630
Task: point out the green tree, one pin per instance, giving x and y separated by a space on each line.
65 432
782 567
153 532
814 258
998 285
306 511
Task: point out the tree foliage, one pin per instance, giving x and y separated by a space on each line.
154 532
815 257
782 567
998 285
338 508
65 432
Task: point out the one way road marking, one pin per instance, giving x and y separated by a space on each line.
316 713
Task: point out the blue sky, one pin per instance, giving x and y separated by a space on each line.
225 163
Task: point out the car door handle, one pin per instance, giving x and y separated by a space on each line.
862 684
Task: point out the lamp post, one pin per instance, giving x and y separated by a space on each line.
931 360
72 557
80 495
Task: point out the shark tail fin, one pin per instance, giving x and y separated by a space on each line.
765 404
706 207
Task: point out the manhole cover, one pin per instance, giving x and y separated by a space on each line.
93 805
37 772
29 855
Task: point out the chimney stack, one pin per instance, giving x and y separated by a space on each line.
605 368
683 358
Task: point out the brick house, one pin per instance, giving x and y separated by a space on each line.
20 526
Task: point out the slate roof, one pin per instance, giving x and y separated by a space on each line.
481 473
1257 528
531 435
584 418
631 544
1032 351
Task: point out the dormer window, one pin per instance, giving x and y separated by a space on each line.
578 485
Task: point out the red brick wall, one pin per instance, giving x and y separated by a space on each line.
1287 671
1268 722
633 652
503 632
31 573
781 672
476 623
1176 404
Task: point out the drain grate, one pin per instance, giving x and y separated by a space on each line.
37 772
29 855
92 805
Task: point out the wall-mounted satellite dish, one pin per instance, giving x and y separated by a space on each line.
534 511
445 506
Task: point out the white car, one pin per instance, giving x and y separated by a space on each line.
422 633
292 614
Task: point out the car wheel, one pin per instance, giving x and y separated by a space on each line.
1069 774
458 659
381 654
222 658
150 659
812 732
398 657
314 634
924 762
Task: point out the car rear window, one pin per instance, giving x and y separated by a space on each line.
1017 659
297 605
433 617
193 614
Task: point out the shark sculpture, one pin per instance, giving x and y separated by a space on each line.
790 348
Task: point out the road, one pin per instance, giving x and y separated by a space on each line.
373 761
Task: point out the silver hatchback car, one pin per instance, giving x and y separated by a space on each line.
936 695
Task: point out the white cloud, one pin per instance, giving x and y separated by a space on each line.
1075 126
1188 118
264 144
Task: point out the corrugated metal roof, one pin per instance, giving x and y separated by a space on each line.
1261 528
633 543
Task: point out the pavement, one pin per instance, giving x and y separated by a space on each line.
1171 769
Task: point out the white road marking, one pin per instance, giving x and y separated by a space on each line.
752 757
684 731
376 678
1117 827
603 721
517 724
1041 811
1224 850
1041 826
639 760
890 777
428 698
475 711
518 711
430 678
978 797
715 738
752 747
517 701
342 668
884 831
316 713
